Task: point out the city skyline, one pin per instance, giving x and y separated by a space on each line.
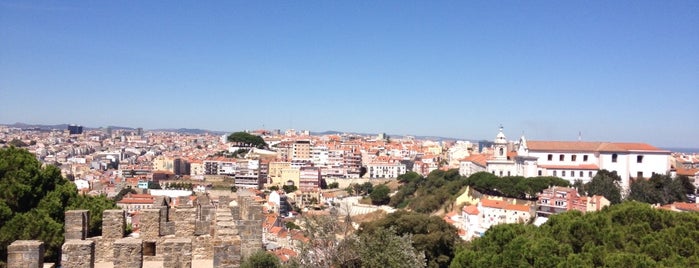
621 71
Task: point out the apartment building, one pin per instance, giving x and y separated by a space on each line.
385 170
556 200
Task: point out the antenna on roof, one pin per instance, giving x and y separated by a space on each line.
579 135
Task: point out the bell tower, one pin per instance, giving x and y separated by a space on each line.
500 146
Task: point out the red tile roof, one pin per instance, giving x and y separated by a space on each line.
586 146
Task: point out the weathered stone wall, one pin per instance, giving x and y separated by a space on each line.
76 224
149 226
128 252
184 219
177 253
203 247
204 221
78 253
25 254
250 226
226 253
113 224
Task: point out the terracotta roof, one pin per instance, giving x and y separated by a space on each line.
587 146
524 208
478 159
687 206
493 203
471 210
687 172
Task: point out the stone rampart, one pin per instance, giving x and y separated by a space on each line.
78 254
76 224
25 254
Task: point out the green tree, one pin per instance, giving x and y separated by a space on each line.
659 189
688 186
333 185
123 192
380 248
289 188
33 201
606 184
247 140
379 196
17 143
261 259
430 234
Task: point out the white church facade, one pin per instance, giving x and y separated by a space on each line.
577 160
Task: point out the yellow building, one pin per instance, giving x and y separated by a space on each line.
275 173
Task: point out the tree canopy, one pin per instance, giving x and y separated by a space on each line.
606 184
33 201
630 234
247 140
261 259
659 189
379 196
430 234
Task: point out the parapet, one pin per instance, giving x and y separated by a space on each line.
25 254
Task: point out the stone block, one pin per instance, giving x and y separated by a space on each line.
185 220
150 224
78 254
177 253
128 252
167 228
113 224
227 254
76 224
25 254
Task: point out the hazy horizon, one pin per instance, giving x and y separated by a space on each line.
613 71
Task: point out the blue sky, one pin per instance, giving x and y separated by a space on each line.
612 70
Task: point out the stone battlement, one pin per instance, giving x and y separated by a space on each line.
220 235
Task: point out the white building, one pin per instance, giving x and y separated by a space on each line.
579 160
385 170
576 160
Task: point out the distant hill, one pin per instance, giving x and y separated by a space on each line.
395 136
195 131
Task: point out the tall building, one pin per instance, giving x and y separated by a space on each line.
75 129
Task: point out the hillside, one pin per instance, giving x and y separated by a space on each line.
627 235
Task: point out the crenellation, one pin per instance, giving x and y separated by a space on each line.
113 224
78 254
177 253
25 254
128 252
174 237
76 224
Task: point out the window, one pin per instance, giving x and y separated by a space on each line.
561 157
502 151
550 157
614 157
500 173
554 173
581 173
639 159
563 173
589 174
539 172
508 173
639 175
573 158
584 158
559 203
